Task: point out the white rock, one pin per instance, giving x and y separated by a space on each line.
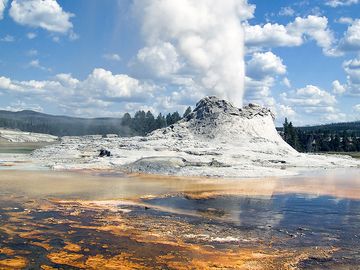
17 136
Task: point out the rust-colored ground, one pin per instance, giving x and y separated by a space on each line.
85 235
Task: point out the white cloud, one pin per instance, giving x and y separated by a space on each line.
66 80
206 36
7 84
337 3
338 88
309 96
264 64
8 38
259 91
345 20
262 72
97 92
285 111
271 35
352 70
46 14
21 105
2 8
292 34
313 103
36 64
351 39
286 82
286 11
356 108
102 82
112 56
31 35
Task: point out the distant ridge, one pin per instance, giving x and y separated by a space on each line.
58 125
350 127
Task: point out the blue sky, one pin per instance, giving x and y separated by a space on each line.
104 58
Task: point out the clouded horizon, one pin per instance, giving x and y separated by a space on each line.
104 58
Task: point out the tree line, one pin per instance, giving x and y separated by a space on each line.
145 122
320 139
138 125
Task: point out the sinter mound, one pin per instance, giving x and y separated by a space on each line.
215 139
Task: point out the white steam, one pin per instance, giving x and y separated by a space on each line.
202 40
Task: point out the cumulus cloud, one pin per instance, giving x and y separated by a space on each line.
103 84
352 84
309 96
100 89
285 111
286 82
259 91
292 34
338 88
46 14
337 3
312 101
345 20
21 105
204 38
262 71
356 108
2 8
264 64
351 39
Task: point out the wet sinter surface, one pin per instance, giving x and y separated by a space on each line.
97 220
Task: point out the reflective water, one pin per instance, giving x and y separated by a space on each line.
164 222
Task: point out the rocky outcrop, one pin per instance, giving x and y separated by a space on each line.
211 108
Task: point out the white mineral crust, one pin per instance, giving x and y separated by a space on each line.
216 139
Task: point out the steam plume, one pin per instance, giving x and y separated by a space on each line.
204 39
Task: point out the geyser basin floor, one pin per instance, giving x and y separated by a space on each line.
83 221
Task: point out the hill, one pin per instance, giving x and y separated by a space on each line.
350 127
31 121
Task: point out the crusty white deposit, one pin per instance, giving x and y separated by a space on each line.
16 136
216 139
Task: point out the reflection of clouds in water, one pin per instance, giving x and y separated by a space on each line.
259 211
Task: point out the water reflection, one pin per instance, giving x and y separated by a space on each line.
298 217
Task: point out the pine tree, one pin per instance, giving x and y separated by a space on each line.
187 112
345 143
126 120
175 117
168 120
149 122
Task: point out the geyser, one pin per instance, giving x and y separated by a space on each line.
202 40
